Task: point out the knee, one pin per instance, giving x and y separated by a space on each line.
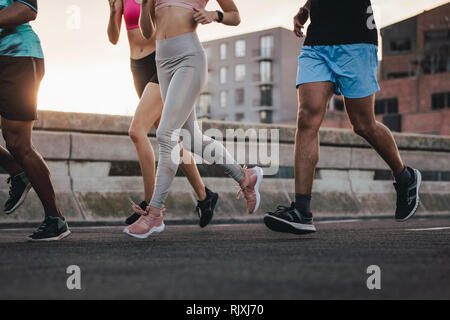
364 129
19 149
164 136
136 135
307 118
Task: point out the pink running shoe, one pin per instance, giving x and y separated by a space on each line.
146 225
250 188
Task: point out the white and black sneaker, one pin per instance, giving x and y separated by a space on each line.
290 220
205 208
51 229
408 196
19 186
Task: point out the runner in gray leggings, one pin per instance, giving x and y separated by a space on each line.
182 72
182 69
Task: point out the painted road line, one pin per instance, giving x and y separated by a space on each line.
430 229
340 221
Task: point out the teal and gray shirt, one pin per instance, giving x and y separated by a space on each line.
20 41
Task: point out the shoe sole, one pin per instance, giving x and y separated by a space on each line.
213 206
60 237
419 181
280 225
145 235
260 174
21 200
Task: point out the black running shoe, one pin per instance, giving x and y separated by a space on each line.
52 229
289 220
205 208
18 191
408 197
135 216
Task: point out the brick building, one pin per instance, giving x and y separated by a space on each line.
414 76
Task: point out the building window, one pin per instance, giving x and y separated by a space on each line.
239 96
223 51
239 72
266 96
223 75
401 45
265 116
386 106
397 75
437 52
204 104
265 70
239 117
223 99
266 46
440 100
240 48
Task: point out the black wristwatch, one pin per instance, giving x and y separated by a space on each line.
220 15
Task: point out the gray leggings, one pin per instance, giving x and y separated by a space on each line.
182 73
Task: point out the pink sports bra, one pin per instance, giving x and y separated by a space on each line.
189 4
131 12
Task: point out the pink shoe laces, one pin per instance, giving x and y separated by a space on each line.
242 190
136 208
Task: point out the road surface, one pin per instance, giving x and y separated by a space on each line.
243 261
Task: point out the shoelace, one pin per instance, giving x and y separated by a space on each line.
136 208
402 195
242 190
281 209
197 209
12 186
42 227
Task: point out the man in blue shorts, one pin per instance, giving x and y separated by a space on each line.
21 71
340 55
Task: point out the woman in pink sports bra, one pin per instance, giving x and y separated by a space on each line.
150 107
182 72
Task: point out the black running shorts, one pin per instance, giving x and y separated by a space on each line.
20 78
144 71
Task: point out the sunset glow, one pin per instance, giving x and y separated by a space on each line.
85 73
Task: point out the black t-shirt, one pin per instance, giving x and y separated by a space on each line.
336 22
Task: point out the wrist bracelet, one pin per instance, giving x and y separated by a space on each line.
220 15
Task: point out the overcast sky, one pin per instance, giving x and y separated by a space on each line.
85 73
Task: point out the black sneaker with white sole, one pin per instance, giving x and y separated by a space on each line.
135 216
205 208
408 196
290 220
19 186
52 229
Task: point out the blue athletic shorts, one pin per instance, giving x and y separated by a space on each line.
351 67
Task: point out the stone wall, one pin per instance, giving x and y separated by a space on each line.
94 168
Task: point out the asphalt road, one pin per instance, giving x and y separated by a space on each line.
234 262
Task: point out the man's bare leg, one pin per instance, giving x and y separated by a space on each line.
362 117
408 180
313 101
17 135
